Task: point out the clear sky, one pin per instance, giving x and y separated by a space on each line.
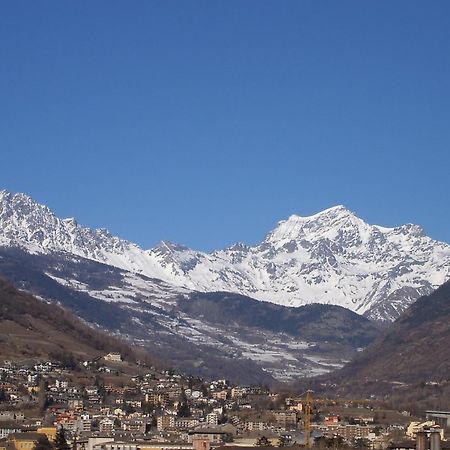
206 122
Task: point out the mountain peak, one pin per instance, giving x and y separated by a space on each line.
338 209
238 247
70 221
412 229
26 223
167 247
8 195
334 211
21 204
326 221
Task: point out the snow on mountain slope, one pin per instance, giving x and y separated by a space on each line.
34 227
200 333
332 257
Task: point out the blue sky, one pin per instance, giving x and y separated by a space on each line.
206 122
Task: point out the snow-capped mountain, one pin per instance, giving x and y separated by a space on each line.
34 227
332 257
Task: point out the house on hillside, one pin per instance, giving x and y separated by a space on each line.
113 357
8 427
24 441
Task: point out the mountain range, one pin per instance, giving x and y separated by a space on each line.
332 257
301 303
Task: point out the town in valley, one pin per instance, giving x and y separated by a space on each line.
109 404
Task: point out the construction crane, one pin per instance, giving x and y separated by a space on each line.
307 419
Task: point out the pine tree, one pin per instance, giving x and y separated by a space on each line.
183 410
42 396
60 440
42 443
183 406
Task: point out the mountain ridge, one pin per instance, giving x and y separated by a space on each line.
32 328
332 257
416 347
408 364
